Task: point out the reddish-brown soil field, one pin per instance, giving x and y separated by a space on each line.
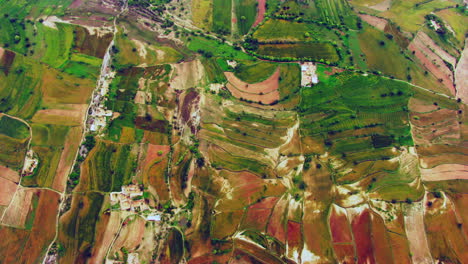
400 248
66 160
344 253
380 239
265 91
266 203
11 243
9 174
277 225
152 154
257 252
43 230
294 235
7 190
362 234
339 227
261 8
256 219
377 22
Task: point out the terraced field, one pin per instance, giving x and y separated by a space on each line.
209 131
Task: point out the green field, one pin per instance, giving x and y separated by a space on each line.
222 17
311 50
13 128
217 49
109 167
278 29
353 102
375 46
255 72
336 12
246 12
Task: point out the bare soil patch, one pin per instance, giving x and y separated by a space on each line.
416 233
461 75
382 6
445 172
18 211
261 8
187 75
69 117
374 21
7 190
9 174
105 239
421 106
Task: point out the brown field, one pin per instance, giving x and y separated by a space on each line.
424 38
461 75
152 154
106 229
294 240
256 219
43 230
226 223
261 8
256 251
186 75
446 158
383 5
339 226
19 208
433 63
9 174
444 231
361 225
7 190
380 239
130 235
266 203
265 91
374 21
71 145
67 90
344 253
445 172
12 243
416 234
421 106
277 225
156 179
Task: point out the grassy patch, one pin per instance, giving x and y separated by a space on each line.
255 72
217 49
311 50
222 16
13 128
246 11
